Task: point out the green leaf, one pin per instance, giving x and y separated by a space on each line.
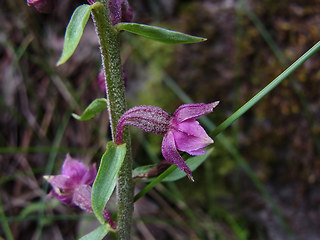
93 109
139 172
175 175
98 234
106 179
158 33
192 162
74 31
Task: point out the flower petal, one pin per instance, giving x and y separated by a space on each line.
65 199
198 152
190 137
74 169
148 118
62 188
90 175
193 111
171 154
82 199
61 182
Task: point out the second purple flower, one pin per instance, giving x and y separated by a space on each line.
181 131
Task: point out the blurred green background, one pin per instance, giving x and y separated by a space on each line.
262 179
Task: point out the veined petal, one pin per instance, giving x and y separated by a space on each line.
193 111
198 152
60 183
148 118
190 137
90 175
82 197
171 154
73 168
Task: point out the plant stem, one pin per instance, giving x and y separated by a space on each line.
110 53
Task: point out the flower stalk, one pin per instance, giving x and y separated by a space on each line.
115 91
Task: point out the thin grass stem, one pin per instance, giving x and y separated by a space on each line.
265 90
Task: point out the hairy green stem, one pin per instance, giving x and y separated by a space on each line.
110 52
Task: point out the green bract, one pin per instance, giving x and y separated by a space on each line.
93 109
172 173
158 33
106 179
192 162
74 31
97 234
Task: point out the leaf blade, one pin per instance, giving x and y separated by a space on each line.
161 178
97 234
159 34
193 163
74 31
106 179
95 107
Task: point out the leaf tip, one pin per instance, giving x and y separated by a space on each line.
76 116
60 62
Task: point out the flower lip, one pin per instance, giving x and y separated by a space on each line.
190 137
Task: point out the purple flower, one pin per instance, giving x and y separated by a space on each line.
181 131
73 186
43 6
120 11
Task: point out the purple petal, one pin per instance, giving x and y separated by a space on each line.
61 183
43 6
65 199
198 152
91 1
90 175
193 111
190 137
62 188
82 197
148 118
171 154
73 168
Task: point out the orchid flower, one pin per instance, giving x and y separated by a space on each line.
43 6
181 131
73 186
